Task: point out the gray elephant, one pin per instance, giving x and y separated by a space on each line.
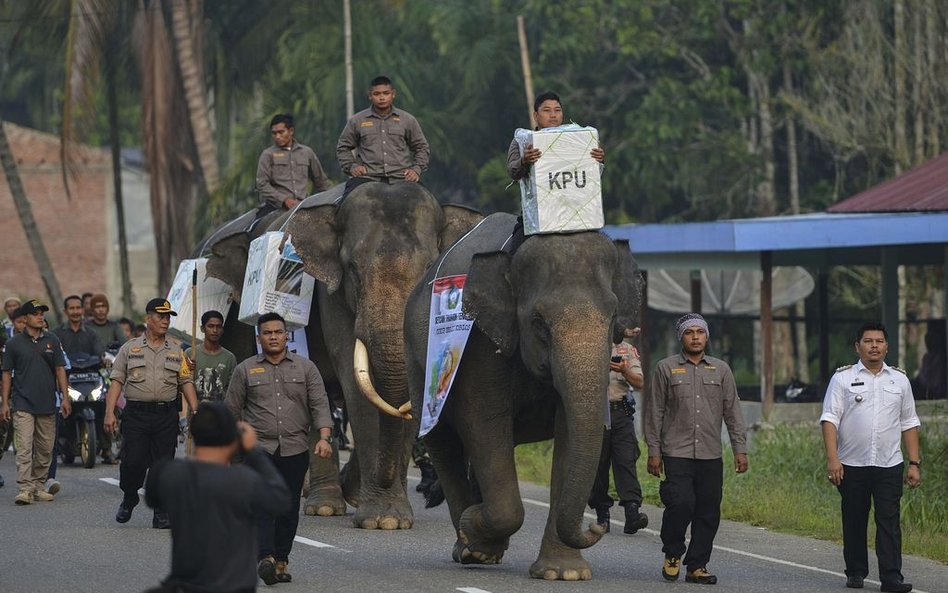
227 249
367 254
535 367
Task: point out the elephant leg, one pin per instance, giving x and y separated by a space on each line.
447 454
556 560
351 480
325 494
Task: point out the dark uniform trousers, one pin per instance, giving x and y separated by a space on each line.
691 493
149 434
620 448
882 486
275 534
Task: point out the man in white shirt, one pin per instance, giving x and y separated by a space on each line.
867 409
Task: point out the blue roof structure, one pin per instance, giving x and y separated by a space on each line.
805 239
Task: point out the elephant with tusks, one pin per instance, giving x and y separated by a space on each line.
535 367
366 253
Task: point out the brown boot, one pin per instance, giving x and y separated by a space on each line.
266 570
281 575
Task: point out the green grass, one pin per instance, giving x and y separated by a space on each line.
786 488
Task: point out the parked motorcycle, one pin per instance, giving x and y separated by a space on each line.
77 434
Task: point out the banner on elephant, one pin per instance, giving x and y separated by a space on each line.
562 191
275 282
212 294
448 330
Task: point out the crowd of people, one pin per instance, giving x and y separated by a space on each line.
261 411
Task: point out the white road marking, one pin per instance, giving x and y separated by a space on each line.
834 573
316 544
471 590
115 482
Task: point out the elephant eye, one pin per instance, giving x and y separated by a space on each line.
540 329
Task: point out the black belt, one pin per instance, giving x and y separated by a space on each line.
151 405
619 405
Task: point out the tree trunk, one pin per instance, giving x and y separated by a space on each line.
919 86
898 64
190 67
116 146
347 33
25 212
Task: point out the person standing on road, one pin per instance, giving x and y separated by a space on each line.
213 364
692 393
282 396
109 332
214 505
151 370
620 445
33 368
285 169
867 408
382 143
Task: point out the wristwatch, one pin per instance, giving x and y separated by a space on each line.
915 463
327 439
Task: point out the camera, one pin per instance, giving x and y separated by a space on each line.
616 358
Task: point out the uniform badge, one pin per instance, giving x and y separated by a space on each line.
257 370
678 371
366 124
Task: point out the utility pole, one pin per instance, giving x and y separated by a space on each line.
525 65
347 25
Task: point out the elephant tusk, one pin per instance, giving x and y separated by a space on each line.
360 359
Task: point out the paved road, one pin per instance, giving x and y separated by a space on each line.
74 545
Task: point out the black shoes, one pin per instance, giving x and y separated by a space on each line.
282 576
1 481
161 521
854 582
895 587
634 520
124 512
602 519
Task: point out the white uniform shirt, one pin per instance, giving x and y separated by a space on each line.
870 413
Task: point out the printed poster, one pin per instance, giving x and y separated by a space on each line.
448 330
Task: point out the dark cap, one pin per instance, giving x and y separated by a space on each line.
32 306
213 425
98 299
159 305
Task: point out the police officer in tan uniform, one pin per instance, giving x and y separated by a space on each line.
151 369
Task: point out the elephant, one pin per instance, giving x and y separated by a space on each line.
367 252
535 366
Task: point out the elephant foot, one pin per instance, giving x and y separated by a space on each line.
384 515
325 502
468 551
351 484
566 566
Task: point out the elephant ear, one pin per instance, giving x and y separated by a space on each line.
627 286
317 242
489 299
457 221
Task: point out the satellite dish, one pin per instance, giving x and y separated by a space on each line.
726 292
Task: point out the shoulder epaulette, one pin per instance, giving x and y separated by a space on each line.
843 368
898 369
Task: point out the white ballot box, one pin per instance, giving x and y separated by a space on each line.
562 192
212 294
275 282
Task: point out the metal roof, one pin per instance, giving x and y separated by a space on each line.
924 188
806 239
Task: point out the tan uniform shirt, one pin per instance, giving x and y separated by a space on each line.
285 173
148 374
618 385
280 401
387 146
687 403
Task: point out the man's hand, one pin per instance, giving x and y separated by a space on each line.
914 476
620 367
248 436
290 203
5 414
834 471
358 170
110 424
531 155
740 463
655 466
323 449
412 175
66 407
598 154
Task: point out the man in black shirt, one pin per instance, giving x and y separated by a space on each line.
214 505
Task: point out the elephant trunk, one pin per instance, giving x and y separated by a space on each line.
581 377
364 381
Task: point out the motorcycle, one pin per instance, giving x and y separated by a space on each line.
78 434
